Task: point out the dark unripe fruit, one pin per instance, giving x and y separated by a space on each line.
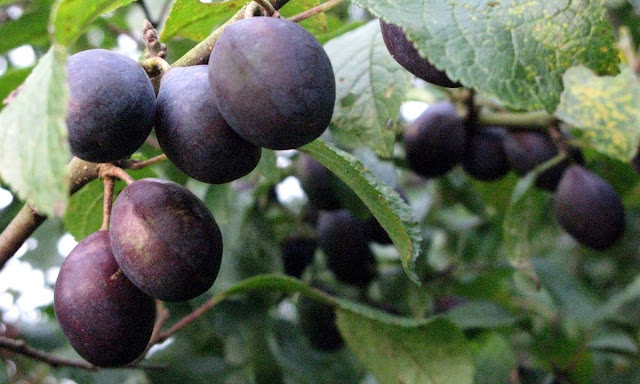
107 319
318 183
435 141
589 209
192 132
111 107
273 82
165 240
407 55
527 150
374 231
343 240
484 157
297 253
318 324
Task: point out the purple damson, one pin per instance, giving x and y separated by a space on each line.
435 141
165 240
407 55
111 107
273 82
589 209
107 319
192 132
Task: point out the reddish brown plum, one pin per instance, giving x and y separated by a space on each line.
407 55
589 209
165 240
484 157
192 132
273 82
111 107
343 240
435 141
107 319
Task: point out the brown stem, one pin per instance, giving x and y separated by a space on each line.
108 202
22 348
18 231
188 319
315 10
148 162
267 7
110 170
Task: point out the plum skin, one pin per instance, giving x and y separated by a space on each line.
273 82
435 141
106 318
111 107
318 324
192 132
165 240
485 158
297 253
589 209
343 239
408 57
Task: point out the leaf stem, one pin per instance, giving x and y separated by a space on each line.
315 10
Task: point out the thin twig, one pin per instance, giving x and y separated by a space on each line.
188 319
315 10
267 7
148 162
107 202
108 169
150 36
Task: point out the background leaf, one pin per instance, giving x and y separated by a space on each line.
195 20
515 50
31 27
11 80
370 86
71 17
431 351
605 109
35 119
385 204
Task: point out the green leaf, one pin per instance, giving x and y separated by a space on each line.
84 213
195 20
72 17
420 352
370 86
317 24
30 28
395 216
481 314
34 150
621 307
11 80
605 109
515 50
494 358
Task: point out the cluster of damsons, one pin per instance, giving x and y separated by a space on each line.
586 206
269 83
344 240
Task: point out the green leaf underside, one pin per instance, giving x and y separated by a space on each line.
605 109
72 17
515 50
385 204
34 151
426 352
195 20
395 349
84 212
370 86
